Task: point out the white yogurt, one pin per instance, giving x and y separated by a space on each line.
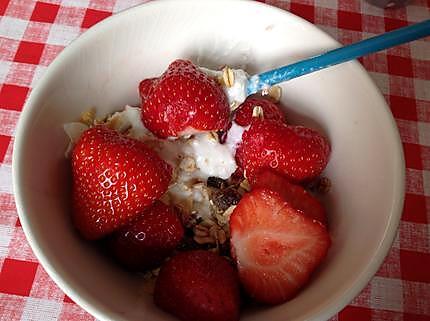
234 137
129 118
212 158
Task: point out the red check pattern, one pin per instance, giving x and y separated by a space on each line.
32 33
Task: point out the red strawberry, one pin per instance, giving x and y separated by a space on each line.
184 100
145 87
198 286
296 195
276 248
145 243
297 152
114 179
243 115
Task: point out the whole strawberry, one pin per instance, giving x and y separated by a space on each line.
198 286
297 152
184 100
244 114
115 178
146 242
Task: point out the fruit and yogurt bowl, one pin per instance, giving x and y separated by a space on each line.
101 71
201 194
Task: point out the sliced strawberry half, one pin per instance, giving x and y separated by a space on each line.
244 114
183 101
294 194
276 247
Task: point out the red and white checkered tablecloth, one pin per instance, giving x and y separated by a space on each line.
32 33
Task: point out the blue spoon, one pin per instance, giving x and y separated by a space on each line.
337 56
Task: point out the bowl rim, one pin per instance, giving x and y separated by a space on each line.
324 311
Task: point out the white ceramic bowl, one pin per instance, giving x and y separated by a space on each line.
103 68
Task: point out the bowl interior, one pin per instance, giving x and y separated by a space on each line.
103 68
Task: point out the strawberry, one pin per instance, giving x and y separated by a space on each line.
276 248
297 152
243 115
198 286
114 179
294 194
184 100
146 242
145 87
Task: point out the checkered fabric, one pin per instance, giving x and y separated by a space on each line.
32 33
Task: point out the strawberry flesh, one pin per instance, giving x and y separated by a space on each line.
145 243
243 115
276 248
115 178
294 194
184 100
198 286
297 152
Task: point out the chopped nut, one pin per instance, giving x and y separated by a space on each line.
245 185
188 164
88 117
117 123
224 218
229 211
234 105
228 76
275 92
213 136
99 121
258 112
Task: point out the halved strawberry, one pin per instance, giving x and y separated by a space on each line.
297 152
146 242
115 179
198 286
294 194
276 247
243 115
184 100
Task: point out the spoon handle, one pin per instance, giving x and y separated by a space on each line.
337 56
